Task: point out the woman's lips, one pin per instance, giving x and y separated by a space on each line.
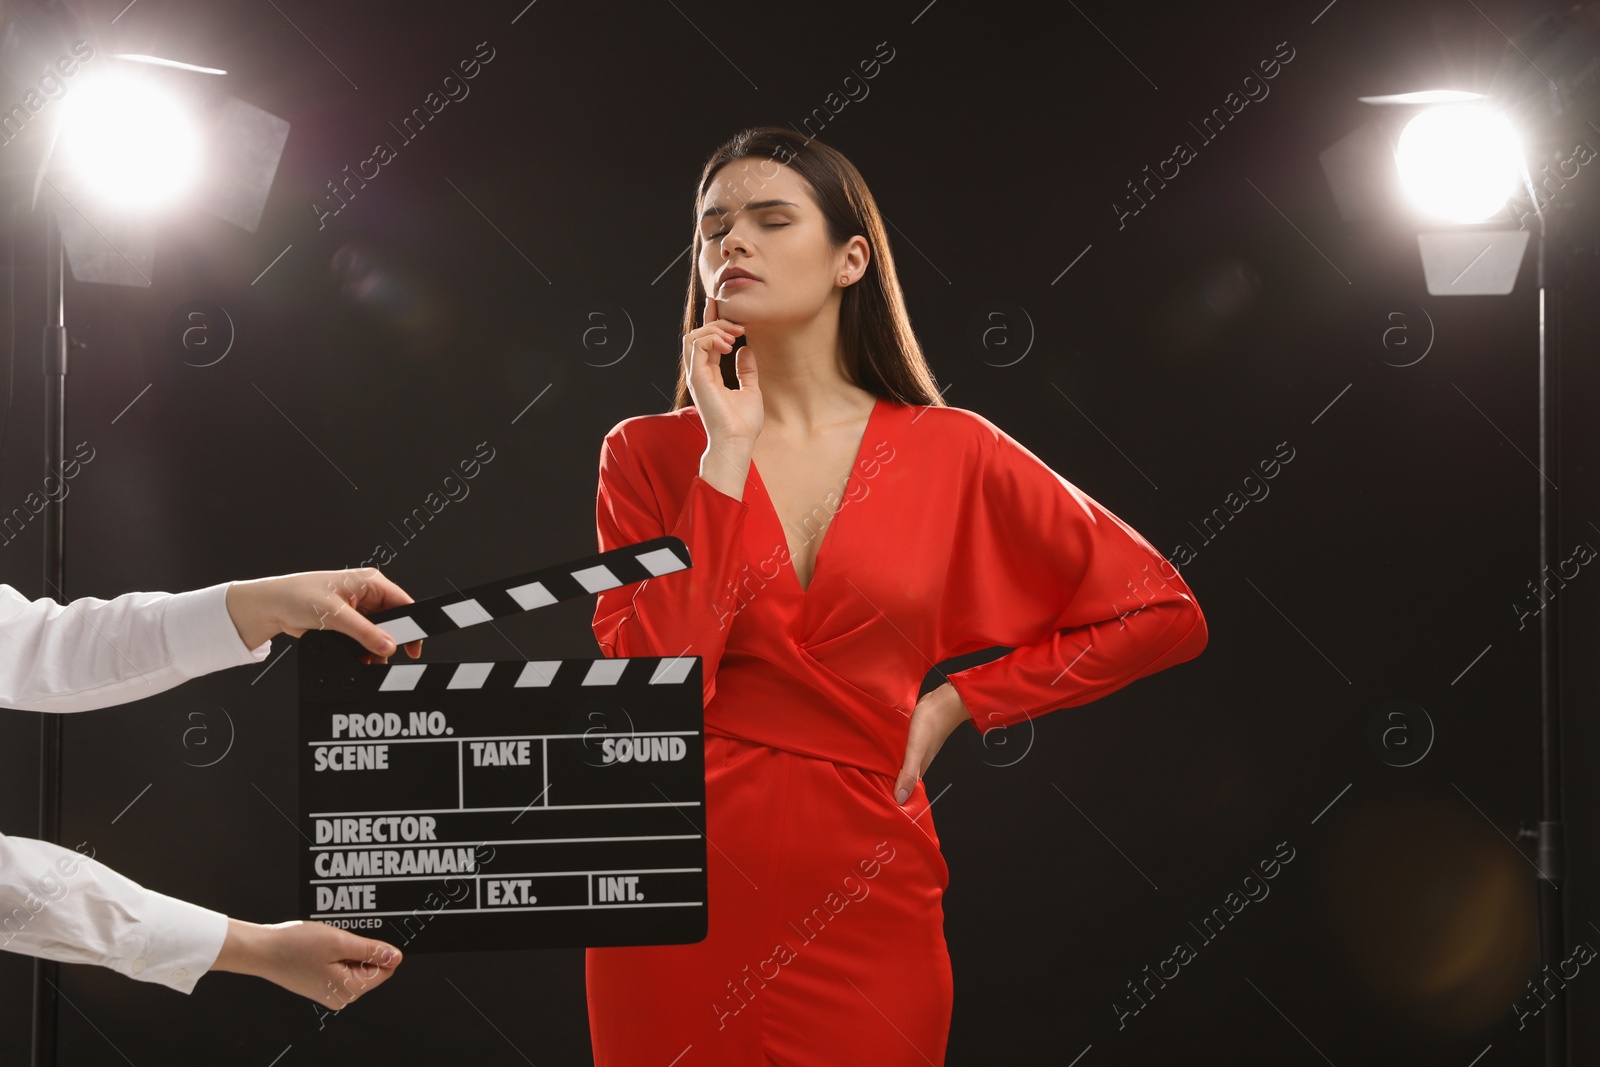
738 283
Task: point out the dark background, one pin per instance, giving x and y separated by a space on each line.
1171 359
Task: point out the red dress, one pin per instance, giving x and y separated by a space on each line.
826 941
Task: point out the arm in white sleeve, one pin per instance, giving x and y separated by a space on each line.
93 653
62 905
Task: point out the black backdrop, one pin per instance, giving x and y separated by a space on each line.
1233 313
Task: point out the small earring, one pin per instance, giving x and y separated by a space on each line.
844 279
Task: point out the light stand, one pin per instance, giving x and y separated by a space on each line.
45 972
1362 182
1550 831
242 147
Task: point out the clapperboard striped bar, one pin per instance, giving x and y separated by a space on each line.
541 588
548 674
505 804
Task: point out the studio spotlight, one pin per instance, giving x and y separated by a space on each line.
130 143
1459 162
115 145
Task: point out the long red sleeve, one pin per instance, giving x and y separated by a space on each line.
685 613
1087 604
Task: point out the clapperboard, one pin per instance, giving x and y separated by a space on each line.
505 804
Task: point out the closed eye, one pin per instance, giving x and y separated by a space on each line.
765 225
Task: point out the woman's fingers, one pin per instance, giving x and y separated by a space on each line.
375 592
369 590
934 718
726 411
704 346
745 368
906 782
355 625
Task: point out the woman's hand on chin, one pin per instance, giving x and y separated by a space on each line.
732 417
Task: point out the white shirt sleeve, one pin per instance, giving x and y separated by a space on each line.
63 905
92 653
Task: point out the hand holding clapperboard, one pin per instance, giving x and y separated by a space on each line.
505 804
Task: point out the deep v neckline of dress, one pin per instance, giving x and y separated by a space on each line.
827 535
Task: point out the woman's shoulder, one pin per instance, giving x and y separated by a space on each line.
656 427
966 439
952 425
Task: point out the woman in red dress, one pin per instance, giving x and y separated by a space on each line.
848 531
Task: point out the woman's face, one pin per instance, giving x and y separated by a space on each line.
758 215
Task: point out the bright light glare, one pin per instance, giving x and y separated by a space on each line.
131 143
1425 96
173 63
1460 163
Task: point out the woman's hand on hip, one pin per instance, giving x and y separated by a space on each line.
934 718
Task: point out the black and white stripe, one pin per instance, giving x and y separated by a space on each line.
541 674
536 589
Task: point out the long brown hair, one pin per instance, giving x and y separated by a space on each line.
880 352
